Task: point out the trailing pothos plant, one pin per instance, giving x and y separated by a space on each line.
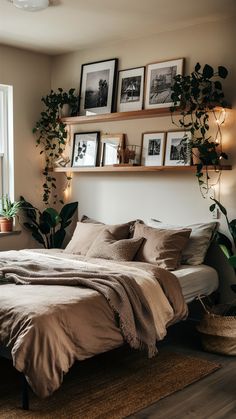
52 135
194 97
48 227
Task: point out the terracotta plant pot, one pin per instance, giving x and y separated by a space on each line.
6 224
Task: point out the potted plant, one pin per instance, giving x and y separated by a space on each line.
52 135
8 211
195 97
218 325
48 227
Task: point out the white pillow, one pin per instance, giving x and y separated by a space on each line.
199 241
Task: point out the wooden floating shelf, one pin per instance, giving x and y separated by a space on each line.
121 116
132 169
117 116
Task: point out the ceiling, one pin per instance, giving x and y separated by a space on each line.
70 25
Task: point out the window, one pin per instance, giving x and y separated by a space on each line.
6 142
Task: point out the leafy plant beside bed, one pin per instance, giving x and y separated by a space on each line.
195 96
52 135
49 226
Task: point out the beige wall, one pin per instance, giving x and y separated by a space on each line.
30 75
171 197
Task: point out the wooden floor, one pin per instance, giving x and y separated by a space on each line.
214 397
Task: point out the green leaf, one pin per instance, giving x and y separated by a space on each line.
232 261
197 67
212 207
223 72
208 72
54 217
68 211
222 209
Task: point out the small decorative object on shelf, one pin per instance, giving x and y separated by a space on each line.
153 147
8 211
112 147
196 97
85 149
178 151
63 161
130 89
130 155
97 87
159 81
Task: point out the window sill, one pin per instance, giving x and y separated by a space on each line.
10 233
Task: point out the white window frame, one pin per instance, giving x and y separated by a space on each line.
6 140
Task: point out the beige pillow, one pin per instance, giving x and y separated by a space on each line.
86 219
161 247
85 234
107 247
199 241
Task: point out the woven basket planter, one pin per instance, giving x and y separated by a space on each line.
218 332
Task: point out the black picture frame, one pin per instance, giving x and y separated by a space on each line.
88 97
80 159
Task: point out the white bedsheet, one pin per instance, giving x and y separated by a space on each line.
196 280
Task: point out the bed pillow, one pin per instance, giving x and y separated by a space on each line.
107 247
199 241
86 219
161 247
85 234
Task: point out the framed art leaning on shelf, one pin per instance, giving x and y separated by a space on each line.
159 80
97 87
85 148
153 148
130 89
178 151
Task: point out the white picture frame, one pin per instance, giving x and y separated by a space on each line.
111 145
177 152
159 79
130 89
153 148
85 148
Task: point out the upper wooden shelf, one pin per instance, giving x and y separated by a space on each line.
121 116
117 116
118 169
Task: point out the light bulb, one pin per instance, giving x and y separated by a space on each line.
31 5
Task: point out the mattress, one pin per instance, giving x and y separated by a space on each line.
197 280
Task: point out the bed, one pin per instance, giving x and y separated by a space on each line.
57 307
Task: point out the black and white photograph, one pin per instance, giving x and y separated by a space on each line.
97 87
153 147
112 144
85 148
130 89
160 78
177 149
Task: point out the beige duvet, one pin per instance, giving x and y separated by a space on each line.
48 327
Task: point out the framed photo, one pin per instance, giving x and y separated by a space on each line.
130 89
97 87
153 148
112 144
159 80
178 152
85 149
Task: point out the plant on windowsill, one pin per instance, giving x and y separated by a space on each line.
8 211
196 96
52 135
48 227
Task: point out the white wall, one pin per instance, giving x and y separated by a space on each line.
30 75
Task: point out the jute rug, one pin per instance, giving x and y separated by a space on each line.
110 386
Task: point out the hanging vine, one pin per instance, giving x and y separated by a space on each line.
195 97
52 136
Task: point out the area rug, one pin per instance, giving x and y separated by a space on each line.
110 386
